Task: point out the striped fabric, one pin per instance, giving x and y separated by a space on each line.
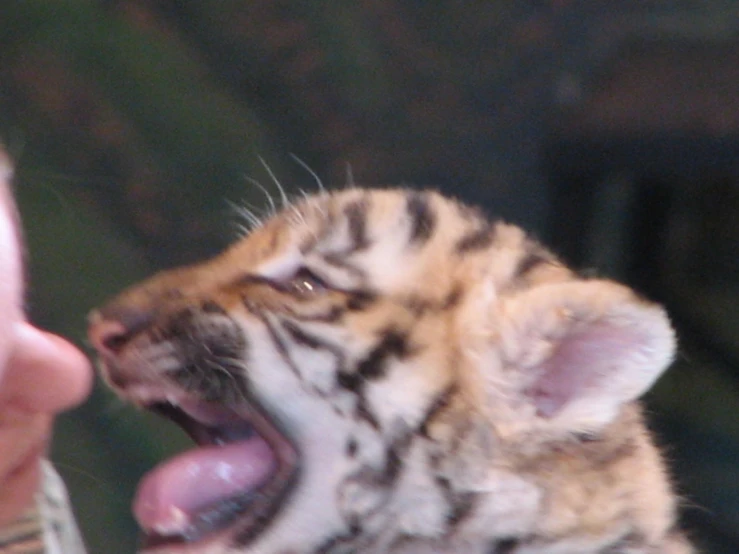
48 527
24 535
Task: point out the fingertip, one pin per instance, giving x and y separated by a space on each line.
51 374
78 367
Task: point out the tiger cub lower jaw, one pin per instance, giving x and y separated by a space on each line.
387 371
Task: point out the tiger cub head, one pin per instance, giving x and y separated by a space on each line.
388 371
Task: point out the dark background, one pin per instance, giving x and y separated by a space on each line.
609 129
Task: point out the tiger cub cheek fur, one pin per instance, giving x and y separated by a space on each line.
448 384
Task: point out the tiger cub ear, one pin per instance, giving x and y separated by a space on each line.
581 349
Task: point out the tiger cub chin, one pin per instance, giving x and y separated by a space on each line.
387 371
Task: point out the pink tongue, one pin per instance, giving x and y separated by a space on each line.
171 494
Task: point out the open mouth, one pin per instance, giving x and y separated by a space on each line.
234 480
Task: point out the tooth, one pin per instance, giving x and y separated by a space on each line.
172 399
175 523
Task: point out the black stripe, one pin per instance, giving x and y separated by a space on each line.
360 300
452 298
460 504
373 366
307 340
365 414
342 542
477 239
350 381
423 218
504 546
436 407
339 259
393 344
420 306
416 305
462 507
394 457
394 462
354 383
532 259
280 345
303 338
356 216
211 307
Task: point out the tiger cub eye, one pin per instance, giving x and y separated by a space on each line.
305 283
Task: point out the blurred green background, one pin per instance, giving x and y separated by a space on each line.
609 129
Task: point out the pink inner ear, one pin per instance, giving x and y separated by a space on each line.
582 363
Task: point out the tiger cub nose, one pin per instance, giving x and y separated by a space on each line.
112 327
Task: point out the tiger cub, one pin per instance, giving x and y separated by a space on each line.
387 371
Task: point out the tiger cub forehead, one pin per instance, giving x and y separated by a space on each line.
395 239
